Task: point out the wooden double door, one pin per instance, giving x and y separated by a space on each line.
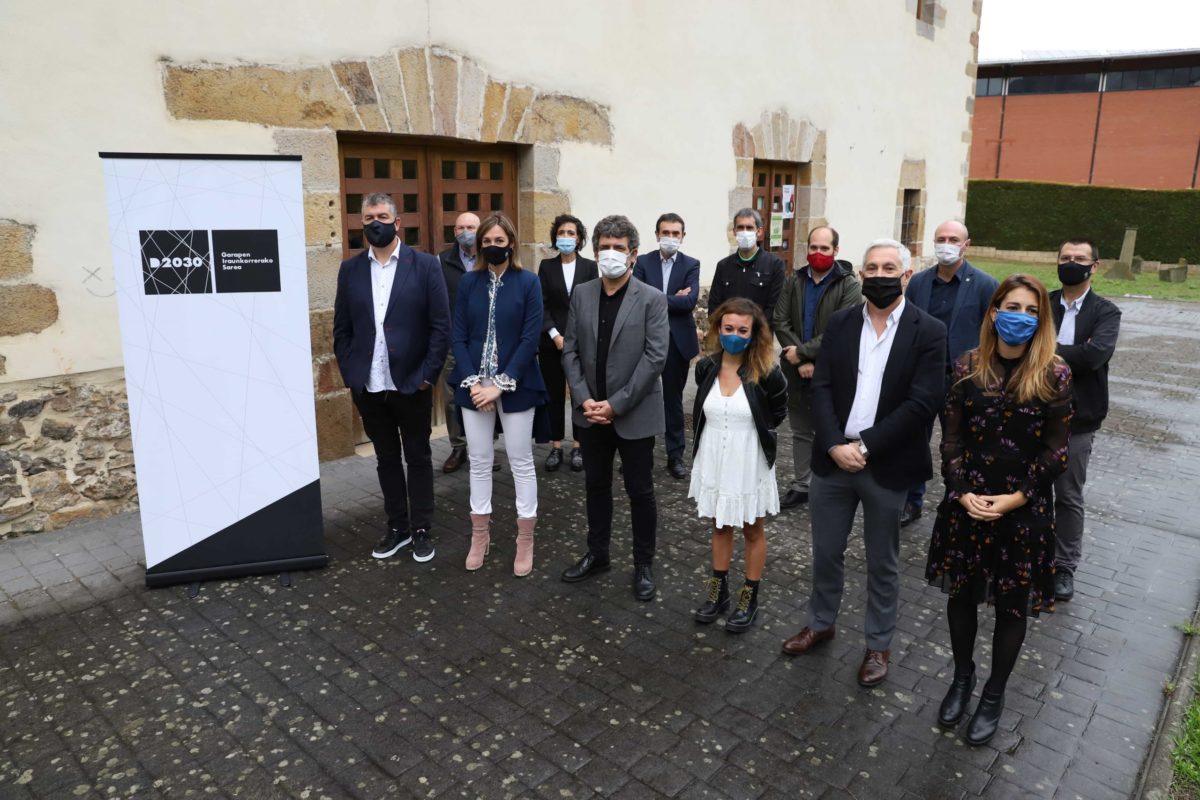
432 183
767 184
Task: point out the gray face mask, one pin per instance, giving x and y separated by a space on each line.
466 239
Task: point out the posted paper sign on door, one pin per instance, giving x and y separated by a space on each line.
212 292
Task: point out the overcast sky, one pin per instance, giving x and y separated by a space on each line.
1009 27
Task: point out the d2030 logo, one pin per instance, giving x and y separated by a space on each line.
176 262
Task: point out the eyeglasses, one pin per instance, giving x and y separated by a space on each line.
1083 261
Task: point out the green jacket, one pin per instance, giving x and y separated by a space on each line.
843 291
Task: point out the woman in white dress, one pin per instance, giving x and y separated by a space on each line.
741 398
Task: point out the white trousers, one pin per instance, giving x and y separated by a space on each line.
518 443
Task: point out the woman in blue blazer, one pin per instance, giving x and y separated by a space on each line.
497 322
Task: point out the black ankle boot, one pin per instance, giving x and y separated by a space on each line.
716 601
747 608
986 718
958 698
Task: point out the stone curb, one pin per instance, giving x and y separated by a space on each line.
1159 771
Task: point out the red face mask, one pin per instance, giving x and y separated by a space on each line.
820 261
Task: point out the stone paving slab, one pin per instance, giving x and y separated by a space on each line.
398 679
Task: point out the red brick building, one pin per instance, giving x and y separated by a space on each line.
1111 121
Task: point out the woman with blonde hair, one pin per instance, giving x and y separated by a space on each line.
740 400
497 322
1004 442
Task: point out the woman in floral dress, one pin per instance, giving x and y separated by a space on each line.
1004 442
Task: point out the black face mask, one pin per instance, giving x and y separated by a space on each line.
1072 274
882 292
380 234
495 255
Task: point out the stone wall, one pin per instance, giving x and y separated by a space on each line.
65 451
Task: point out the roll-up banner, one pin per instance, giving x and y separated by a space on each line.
212 293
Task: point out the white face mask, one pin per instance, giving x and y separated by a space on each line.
668 246
612 263
747 239
947 254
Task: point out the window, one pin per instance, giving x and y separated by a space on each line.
1162 78
925 11
432 184
910 234
1054 84
989 87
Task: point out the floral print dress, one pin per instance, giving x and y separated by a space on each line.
992 444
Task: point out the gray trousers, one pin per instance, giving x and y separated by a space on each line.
453 429
1068 503
800 421
833 501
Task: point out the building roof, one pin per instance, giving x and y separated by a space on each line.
1029 57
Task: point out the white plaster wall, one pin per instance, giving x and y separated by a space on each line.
677 77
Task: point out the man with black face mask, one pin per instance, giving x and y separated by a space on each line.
880 379
1088 326
391 331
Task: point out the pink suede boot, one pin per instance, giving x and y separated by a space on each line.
523 563
480 540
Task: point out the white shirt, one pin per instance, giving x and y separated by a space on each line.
467 259
382 278
1066 331
873 355
667 264
569 280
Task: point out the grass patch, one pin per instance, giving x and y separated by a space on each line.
1142 286
1186 755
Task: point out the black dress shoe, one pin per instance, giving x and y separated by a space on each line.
716 601
576 460
677 469
954 704
643 582
910 514
554 460
457 457
986 719
793 498
585 568
1064 585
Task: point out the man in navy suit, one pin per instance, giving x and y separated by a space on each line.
391 331
879 382
958 295
678 277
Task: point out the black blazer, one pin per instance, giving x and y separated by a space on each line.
1097 326
556 302
768 402
452 270
416 324
912 392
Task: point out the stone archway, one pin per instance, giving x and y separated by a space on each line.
426 91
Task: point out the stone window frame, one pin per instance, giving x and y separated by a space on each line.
912 179
415 91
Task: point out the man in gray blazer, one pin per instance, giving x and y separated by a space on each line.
614 350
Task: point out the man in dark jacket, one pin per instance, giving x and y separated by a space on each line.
809 298
959 296
1088 326
457 260
879 381
677 275
391 331
751 272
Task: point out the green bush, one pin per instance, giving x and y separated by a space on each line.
1024 215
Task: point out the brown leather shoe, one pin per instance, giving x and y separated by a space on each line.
874 668
806 640
457 456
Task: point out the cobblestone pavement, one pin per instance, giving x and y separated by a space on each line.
373 679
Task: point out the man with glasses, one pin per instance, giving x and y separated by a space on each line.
958 295
751 272
1088 326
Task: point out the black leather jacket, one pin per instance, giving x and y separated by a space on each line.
768 402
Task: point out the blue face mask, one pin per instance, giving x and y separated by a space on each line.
1015 327
565 244
734 344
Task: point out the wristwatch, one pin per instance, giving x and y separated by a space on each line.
862 448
